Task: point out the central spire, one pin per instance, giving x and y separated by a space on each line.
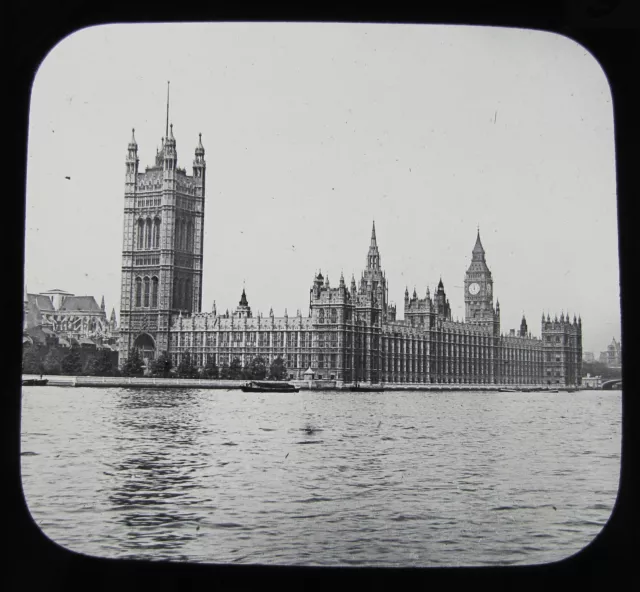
373 257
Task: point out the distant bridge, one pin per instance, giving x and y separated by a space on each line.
609 385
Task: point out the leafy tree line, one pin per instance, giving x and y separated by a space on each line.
68 361
256 370
76 362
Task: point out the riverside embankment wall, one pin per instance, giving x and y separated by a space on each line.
201 383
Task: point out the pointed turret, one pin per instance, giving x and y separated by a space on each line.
523 327
213 308
326 282
353 285
243 299
102 304
415 294
373 257
199 164
478 249
341 280
132 164
133 145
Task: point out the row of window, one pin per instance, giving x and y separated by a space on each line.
147 260
184 235
147 203
182 293
146 293
149 233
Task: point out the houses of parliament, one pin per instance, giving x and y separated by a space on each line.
350 334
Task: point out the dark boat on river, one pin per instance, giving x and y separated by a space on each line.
269 387
35 382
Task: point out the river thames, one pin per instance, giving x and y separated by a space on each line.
321 478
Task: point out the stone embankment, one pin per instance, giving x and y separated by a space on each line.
201 383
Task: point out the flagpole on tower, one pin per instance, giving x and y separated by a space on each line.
166 133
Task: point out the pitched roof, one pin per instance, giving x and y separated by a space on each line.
80 303
41 301
57 291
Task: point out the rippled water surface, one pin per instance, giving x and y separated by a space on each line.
384 479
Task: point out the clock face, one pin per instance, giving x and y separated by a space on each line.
474 289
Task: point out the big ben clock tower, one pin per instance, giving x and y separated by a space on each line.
478 288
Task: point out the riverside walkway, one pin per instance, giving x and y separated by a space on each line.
202 383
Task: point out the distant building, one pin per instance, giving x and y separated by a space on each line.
588 357
592 382
66 319
612 357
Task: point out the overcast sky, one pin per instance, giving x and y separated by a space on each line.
311 131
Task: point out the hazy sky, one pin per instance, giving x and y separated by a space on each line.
311 131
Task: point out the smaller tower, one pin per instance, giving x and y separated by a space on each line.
132 163
244 310
523 327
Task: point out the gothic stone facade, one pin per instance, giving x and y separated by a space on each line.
351 334
162 246
70 317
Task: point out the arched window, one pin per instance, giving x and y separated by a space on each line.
154 292
187 295
189 236
138 292
321 315
147 241
147 287
156 233
178 229
175 293
181 293
334 315
140 233
183 233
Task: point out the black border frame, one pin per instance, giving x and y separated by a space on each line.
606 28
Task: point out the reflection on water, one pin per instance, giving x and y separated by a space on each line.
153 470
321 478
